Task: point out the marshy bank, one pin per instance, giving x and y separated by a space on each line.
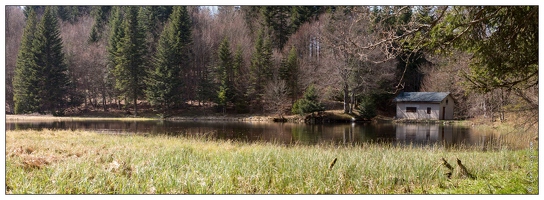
85 162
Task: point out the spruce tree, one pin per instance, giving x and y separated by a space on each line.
130 66
309 103
93 36
51 59
99 14
261 67
289 73
225 73
41 80
184 44
267 59
151 26
116 33
256 78
277 20
25 96
164 82
114 36
299 15
240 83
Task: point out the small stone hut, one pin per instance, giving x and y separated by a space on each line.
424 105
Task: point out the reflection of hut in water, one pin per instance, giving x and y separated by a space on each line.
419 133
448 135
430 133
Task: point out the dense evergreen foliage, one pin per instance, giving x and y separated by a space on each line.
261 64
289 73
130 66
165 79
225 74
26 97
309 103
41 81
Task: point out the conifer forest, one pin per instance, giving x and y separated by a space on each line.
269 60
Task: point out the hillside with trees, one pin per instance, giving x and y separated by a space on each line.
269 60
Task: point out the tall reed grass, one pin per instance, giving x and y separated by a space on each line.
81 162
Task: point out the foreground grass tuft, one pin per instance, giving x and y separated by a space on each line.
81 162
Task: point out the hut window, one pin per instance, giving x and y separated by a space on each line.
411 109
428 110
446 102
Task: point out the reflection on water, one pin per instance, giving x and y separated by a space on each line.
283 133
426 134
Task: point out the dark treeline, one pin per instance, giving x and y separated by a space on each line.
269 59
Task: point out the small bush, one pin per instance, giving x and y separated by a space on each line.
367 108
309 103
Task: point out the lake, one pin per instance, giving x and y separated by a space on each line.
449 135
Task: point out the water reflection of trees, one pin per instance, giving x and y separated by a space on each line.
284 133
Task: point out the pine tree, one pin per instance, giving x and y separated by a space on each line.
25 96
289 73
256 79
99 13
50 58
240 83
130 70
41 80
267 59
225 73
237 63
152 26
184 43
164 82
277 20
309 103
93 36
261 67
116 33
299 15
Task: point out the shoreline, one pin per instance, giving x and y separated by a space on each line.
16 118
326 117
330 116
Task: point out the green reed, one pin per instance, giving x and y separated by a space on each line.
82 162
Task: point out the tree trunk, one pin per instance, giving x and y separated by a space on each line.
135 107
346 98
352 102
104 102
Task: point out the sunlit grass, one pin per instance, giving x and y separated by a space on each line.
81 162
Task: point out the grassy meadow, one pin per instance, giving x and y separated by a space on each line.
82 162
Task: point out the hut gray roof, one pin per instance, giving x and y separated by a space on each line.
421 96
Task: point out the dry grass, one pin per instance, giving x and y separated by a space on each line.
81 162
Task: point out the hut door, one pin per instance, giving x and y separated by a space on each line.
443 112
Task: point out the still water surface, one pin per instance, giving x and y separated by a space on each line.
284 133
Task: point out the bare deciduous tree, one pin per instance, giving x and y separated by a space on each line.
277 99
86 61
15 22
359 48
209 29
